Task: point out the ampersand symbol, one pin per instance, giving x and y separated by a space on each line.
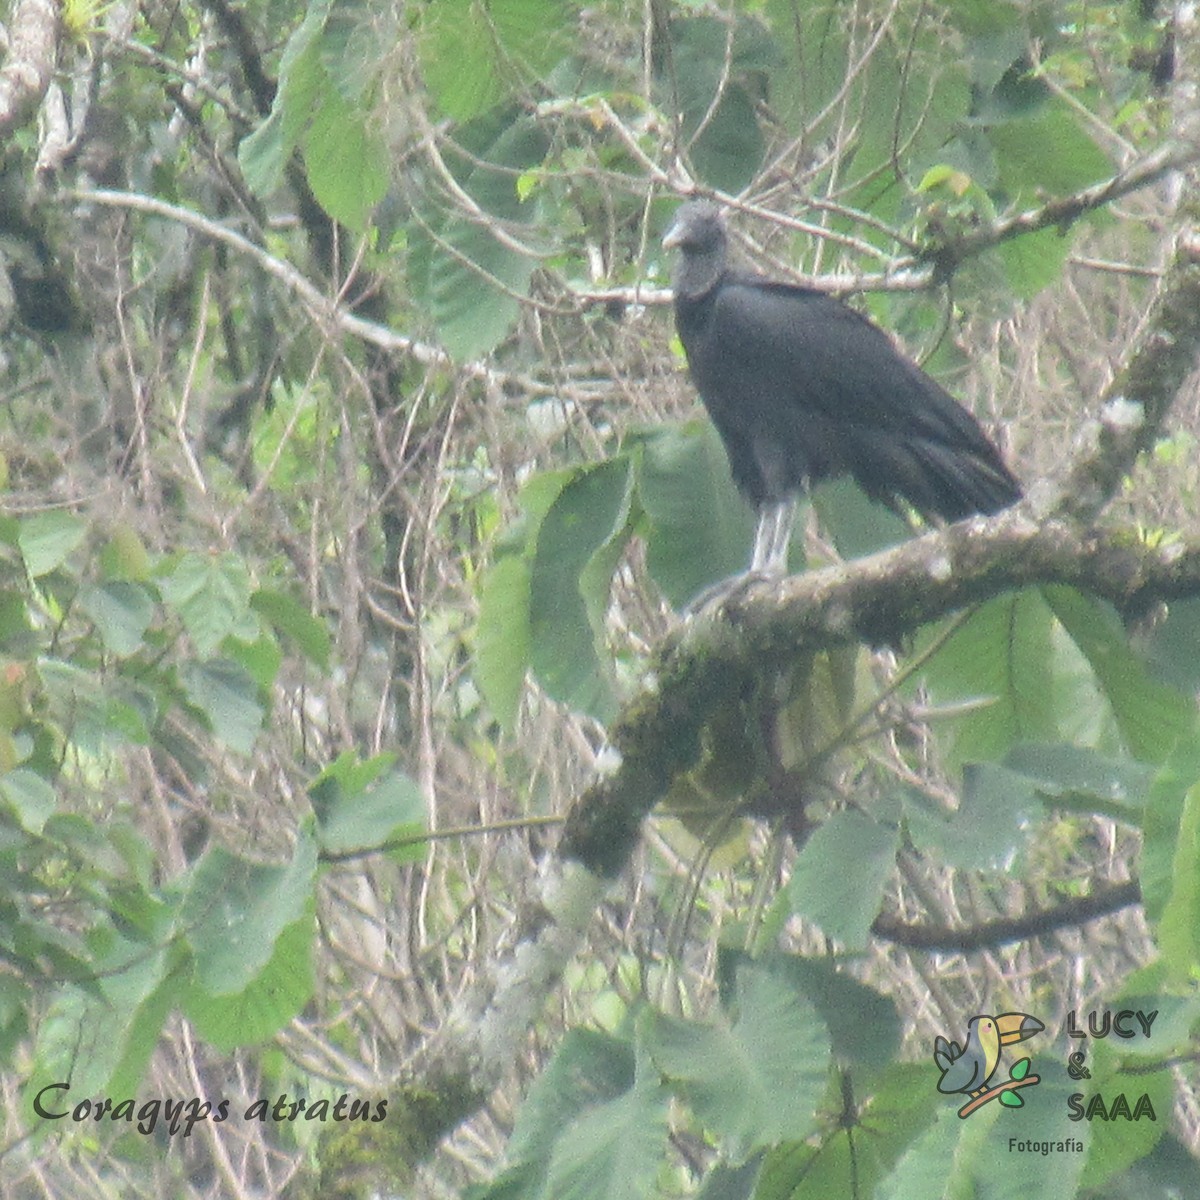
1075 1067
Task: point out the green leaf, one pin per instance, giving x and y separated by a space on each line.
465 279
267 1002
1020 1069
1179 924
47 538
211 594
614 1149
502 638
352 818
349 48
754 1077
346 164
1150 716
1171 856
857 525
1002 653
1171 647
1012 1100
840 875
234 912
701 530
288 616
972 1160
1034 261
865 1129
719 75
1079 779
994 820
226 694
585 521
472 53
30 798
731 1182
122 613
1046 153
864 1026
260 659
589 1068
102 1042
264 153
501 643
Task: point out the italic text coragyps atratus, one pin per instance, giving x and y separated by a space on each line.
802 388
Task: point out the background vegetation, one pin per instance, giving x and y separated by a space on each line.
352 486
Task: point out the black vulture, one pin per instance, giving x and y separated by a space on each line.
802 388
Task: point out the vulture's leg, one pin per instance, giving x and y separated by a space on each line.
772 537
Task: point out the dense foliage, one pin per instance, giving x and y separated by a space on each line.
352 490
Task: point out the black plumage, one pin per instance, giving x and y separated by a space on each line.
802 388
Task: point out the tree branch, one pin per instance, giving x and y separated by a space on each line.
990 934
877 600
33 43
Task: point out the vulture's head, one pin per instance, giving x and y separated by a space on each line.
698 231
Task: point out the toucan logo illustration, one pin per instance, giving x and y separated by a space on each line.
969 1069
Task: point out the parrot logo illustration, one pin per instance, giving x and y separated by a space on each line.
968 1069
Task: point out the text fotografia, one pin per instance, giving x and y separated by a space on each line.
177 1115
1067 1146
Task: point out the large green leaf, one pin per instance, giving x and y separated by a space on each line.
264 153
1079 779
1002 805
864 1026
360 806
588 1069
974 1159
861 1141
1034 260
1172 647
267 1002
101 1041
345 160
993 821
700 528
235 910
211 594
1119 1144
1149 715
501 643
122 613
1169 851
1046 152
226 694
27 797
755 1076
840 875
593 1125
613 1150
1002 656
857 525
47 538
290 617
1169 1171
502 637
588 518
719 74
473 53
467 281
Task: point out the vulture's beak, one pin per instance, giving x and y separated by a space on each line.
674 235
